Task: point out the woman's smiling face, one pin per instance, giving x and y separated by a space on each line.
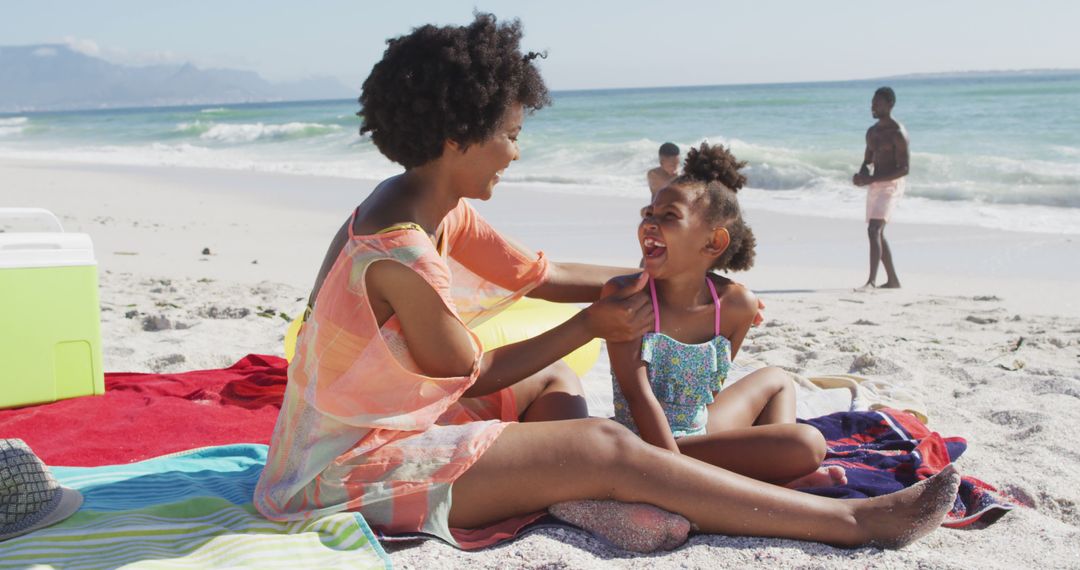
482 164
673 235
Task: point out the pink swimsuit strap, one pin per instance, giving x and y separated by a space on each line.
716 306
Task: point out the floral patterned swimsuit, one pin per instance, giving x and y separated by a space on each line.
683 377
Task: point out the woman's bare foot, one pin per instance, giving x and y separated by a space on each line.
898 519
637 527
824 477
891 285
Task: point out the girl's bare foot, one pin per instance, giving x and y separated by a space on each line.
824 477
898 519
637 527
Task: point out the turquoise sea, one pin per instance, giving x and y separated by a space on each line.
999 150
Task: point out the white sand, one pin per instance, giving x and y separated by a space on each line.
970 295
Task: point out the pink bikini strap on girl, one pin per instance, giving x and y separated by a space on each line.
655 306
715 299
716 306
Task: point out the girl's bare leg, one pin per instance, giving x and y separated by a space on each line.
534 465
752 431
776 453
765 396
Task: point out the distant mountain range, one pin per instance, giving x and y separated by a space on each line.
54 77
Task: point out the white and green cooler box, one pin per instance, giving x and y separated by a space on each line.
50 331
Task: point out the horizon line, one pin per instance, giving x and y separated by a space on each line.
897 77
901 77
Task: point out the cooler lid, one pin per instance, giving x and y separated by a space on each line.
41 249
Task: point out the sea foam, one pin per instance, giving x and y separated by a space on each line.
1008 160
236 133
13 126
250 132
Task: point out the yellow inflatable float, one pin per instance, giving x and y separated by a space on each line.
524 319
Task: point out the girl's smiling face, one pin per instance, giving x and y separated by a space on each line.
674 235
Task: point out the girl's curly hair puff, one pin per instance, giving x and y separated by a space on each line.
716 171
447 83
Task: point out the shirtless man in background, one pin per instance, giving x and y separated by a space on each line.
887 151
667 171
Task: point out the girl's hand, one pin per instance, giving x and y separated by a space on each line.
623 313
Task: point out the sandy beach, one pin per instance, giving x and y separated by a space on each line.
986 331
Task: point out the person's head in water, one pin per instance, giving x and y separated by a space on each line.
669 158
882 103
695 223
458 89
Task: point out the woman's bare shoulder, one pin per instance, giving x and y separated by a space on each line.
384 207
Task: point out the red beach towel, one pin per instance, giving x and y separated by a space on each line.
887 450
147 415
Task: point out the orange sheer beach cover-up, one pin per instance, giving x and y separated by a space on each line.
362 428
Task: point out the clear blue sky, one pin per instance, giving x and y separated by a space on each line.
592 44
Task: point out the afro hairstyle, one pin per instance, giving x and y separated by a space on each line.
716 171
450 83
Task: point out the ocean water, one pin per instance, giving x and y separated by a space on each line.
999 151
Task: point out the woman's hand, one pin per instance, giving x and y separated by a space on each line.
624 312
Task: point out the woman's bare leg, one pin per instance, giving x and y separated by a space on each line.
638 527
599 459
554 393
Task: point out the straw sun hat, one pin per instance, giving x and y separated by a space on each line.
30 498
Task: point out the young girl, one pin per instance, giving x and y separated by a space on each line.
667 387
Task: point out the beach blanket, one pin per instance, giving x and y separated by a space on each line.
188 510
148 415
887 450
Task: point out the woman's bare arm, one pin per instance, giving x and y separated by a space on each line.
332 252
576 282
442 347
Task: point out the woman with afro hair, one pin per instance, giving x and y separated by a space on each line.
392 408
